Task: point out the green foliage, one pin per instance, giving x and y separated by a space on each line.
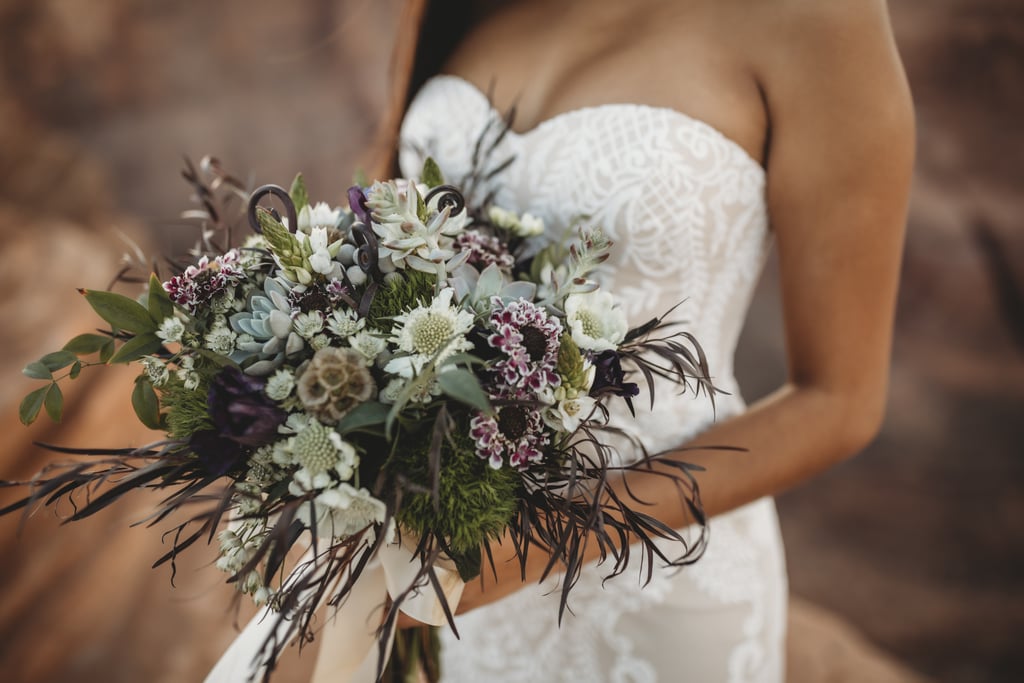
401 294
136 347
145 403
157 301
32 404
298 193
431 174
37 370
475 501
186 410
84 344
54 402
121 312
463 386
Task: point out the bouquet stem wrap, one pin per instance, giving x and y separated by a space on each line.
350 637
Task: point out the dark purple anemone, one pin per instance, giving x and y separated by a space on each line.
243 417
357 202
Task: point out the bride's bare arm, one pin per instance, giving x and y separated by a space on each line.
839 163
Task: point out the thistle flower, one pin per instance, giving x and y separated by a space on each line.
334 382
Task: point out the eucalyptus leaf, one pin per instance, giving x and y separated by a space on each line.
136 347
85 344
32 404
463 386
158 302
146 404
36 370
120 311
363 415
57 360
54 402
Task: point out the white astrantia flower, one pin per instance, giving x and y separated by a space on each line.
526 225
345 322
307 325
339 512
319 341
220 339
368 344
156 370
427 333
171 329
186 372
389 394
319 216
280 385
597 324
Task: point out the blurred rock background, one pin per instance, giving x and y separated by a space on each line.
918 542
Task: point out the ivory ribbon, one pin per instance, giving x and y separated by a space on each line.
348 641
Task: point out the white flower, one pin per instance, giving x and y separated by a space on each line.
220 339
319 216
319 341
430 332
596 323
280 385
389 394
338 513
191 380
321 260
503 218
171 329
156 370
404 236
530 226
345 323
571 411
307 325
368 344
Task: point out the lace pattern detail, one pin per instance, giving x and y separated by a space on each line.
686 208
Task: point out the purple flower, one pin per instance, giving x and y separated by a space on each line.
357 202
240 409
529 338
484 250
243 418
514 434
609 377
198 284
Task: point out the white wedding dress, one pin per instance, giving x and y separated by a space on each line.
685 207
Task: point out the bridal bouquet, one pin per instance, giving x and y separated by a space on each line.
403 371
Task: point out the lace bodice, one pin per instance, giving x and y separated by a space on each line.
685 207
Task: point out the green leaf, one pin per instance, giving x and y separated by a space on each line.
360 178
31 405
363 415
431 174
136 347
120 311
76 369
463 386
298 193
54 402
106 351
158 302
145 403
36 370
85 344
57 360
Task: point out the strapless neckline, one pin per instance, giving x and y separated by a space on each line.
682 118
